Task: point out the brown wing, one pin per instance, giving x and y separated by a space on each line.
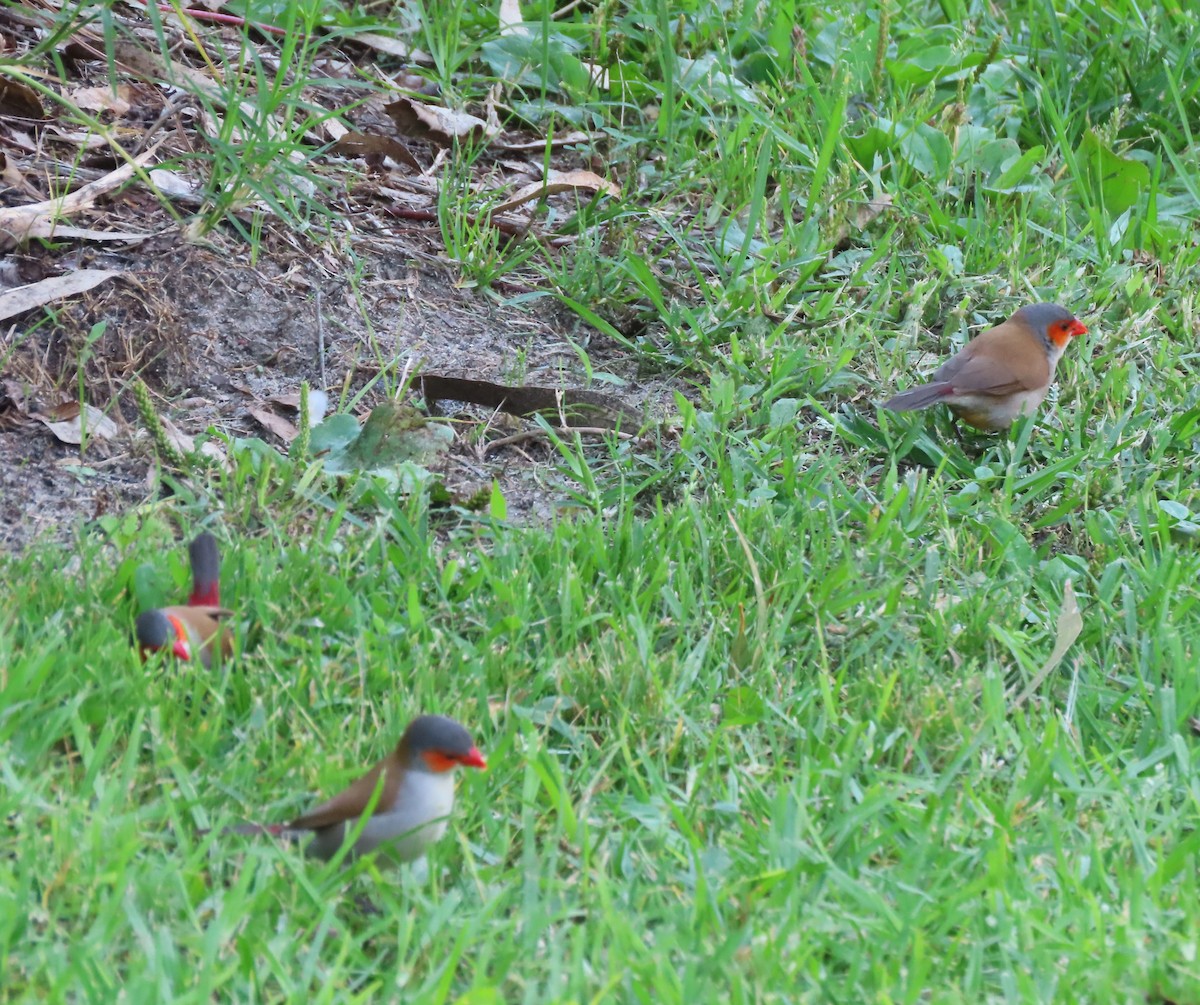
205 629
349 804
997 362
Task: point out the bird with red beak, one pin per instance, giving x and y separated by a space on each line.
413 793
194 631
1000 374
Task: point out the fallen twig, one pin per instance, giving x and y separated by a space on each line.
536 434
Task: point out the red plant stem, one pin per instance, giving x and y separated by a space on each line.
208 15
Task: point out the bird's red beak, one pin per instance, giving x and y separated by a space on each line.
182 649
1076 327
474 759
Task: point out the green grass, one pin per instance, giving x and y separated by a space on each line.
748 701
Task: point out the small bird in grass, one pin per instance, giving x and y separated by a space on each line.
194 631
416 795
1002 372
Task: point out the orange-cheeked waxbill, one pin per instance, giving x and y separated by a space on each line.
1002 372
194 631
416 796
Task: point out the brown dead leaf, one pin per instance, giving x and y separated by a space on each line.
435 123
15 404
13 394
85 140
175 185
276 424
318 403
68 423
19 101
389 45
104 99
86 234
559 181
370 145
26 298
567 406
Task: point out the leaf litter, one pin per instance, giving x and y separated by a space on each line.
218 328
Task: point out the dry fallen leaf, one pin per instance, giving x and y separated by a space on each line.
26 298
276 424
185 444
175 185
103 99
387 44
370 146
318 403
86 234
567 406
1070 624
864 216
510 16
69 428
555 142
19 100
433 122
559 181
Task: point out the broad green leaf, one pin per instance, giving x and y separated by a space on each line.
930 64
922 147
335 432
1015 173
1117 181
394 435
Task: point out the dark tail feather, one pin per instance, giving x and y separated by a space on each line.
206 571
919 397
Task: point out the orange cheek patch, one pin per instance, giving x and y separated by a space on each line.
438 761
181 647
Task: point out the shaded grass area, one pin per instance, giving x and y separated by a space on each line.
747 703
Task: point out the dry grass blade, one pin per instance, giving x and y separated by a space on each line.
1070 624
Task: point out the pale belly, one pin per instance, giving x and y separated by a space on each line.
986 411
421 817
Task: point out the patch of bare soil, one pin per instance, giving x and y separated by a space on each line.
214 335
216 331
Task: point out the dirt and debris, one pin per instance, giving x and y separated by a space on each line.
216 338
220 314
